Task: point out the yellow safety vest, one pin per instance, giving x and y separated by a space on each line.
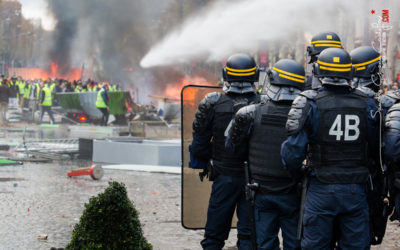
27 91
21 86
47 97
80 90
52 86
100 101
92 89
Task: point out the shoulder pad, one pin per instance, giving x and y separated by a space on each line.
299 102
369 92
392 123
393 118
213 97
208 101
238 128
247 110
394 94
298 112
386 101
395 107
309 94
202 118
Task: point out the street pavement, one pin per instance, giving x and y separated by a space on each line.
39 199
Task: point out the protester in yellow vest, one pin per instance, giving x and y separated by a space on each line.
92 87
112 88
21 87
27 93
53 86
102 104
37 90
46 101
79 88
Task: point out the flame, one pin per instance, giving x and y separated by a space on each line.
53 68
173 90
189 94
39 73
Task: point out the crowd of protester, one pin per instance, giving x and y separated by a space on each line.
18 92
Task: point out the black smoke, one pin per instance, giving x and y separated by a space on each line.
109 36
63 35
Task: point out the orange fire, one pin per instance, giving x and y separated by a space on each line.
173 90
39 73
53 68
189 94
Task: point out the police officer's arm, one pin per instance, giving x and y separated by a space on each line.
240 128
386 102
200 149
301 125
392 134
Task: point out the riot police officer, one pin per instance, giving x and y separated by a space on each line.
319 42
226 169
262 128
367 63
335 128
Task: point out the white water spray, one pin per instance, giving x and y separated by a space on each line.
234 26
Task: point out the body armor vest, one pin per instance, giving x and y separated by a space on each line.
224 162
265 145
339 153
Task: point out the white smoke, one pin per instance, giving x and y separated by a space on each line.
231 26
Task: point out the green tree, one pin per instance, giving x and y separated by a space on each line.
109 221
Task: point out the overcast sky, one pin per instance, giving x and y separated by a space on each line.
37 9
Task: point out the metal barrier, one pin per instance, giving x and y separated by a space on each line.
55 149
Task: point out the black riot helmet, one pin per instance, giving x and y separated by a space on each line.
320 42
240 68
366 62
334 67
287 72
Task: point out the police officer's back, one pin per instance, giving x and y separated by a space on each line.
336 127
211 120
262 128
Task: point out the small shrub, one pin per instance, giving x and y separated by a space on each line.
109 221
